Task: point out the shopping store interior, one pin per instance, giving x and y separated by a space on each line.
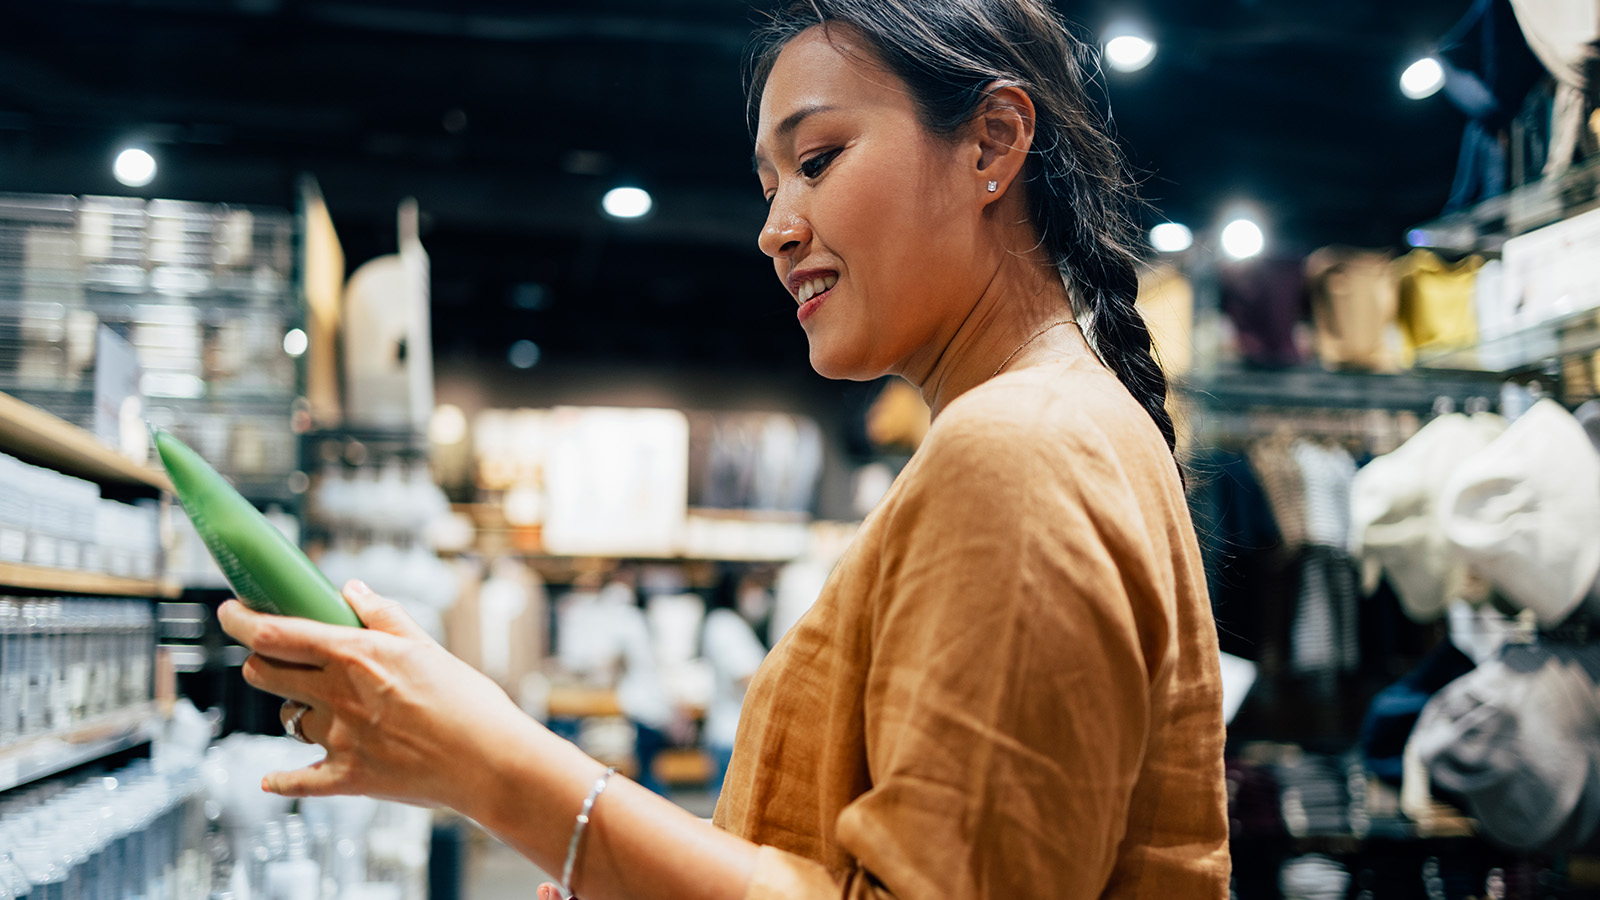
465 298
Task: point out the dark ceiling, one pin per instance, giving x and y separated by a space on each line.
509 120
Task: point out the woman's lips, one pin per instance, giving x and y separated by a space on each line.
810 307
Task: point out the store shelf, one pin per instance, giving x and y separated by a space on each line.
1529 348
32 434
1486 226
1244 389
44 755
21 576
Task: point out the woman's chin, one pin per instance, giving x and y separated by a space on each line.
838 367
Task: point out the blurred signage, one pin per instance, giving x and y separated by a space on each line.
616 482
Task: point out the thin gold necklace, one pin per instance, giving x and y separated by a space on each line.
1031 338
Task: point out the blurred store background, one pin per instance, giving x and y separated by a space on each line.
466 297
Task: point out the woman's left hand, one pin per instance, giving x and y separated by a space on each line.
401 717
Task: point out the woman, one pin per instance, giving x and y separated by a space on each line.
1009 686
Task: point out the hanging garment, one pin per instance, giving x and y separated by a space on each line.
1496 317
1531 132
1166 300
1393 713
1563 34
899 418
1265 300
1488 71
1515 739
1482 168
1325 638
1272 460
1250 577
1393 510
1436 297
1355 304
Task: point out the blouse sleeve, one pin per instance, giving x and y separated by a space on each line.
1019 623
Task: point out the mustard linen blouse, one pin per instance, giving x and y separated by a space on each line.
1009 686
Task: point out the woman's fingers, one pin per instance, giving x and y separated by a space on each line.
381 614
549 891
281 637
316 780
291 681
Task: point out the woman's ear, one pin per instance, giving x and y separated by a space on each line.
1004 134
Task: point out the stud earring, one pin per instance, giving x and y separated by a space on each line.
994 186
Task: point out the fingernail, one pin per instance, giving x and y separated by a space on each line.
358 587
266 785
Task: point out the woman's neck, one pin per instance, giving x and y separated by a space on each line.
1023 317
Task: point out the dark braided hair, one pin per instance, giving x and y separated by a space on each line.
951 54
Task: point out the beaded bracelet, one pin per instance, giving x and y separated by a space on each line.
577 831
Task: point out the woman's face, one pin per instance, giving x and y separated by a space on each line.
872 227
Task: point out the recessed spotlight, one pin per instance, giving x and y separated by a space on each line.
1422 79
1129 52
134 167
1242 239
1170 237
523 354
626 202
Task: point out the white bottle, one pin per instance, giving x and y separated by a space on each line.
296 876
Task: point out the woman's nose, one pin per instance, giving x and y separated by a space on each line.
784 232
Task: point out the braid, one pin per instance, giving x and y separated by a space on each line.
1118 333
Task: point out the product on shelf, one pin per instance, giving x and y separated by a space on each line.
134 833
267 570
333 847
65 662
202 293
55 520
377 522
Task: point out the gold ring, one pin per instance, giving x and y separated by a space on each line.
291 714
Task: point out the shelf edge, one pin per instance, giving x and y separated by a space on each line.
48 754
32 433
42 578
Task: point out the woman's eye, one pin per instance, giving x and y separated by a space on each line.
814 166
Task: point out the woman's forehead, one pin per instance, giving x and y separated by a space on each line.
822 67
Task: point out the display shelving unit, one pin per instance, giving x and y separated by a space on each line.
42 439
1240 388
44 755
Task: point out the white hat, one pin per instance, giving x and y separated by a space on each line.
1515 739
1393 502
1525 512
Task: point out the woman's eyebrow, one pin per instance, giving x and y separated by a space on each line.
789 124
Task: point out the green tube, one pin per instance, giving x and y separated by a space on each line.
267 571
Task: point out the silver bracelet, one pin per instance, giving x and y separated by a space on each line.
577 831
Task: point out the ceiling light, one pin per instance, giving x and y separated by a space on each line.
523 354
1422 79
134 167
626 202
1242 239
295 342
1170 237
1129 52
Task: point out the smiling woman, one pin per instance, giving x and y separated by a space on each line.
1008 687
